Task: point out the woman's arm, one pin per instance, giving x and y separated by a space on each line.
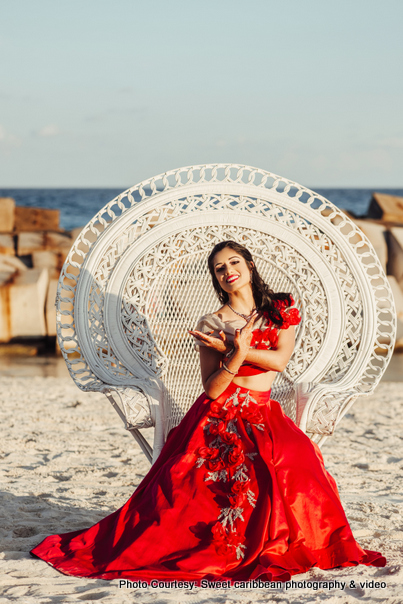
216 378
274 360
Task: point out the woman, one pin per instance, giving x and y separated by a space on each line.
238 492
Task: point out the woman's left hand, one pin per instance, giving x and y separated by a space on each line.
220 344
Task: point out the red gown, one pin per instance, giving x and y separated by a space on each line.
238 492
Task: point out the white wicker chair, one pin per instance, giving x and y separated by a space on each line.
136 279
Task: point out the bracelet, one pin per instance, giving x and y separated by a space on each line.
229 370
229 354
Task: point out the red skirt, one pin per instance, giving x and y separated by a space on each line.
238 492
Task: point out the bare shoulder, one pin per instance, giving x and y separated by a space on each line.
220 313
224 315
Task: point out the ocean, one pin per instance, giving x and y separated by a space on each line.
78 206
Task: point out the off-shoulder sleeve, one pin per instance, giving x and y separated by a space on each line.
205 324
290 316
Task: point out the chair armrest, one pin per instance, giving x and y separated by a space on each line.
319 407
141 405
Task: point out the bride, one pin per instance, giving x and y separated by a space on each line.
238 491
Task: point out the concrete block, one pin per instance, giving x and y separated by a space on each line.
27 295
399 335
6 244
29 242
13 262
56 241
7 214
376 233
36 219
18 350
74 233
5 322
386 207
5 277
90 237
397 295
60 242
395 254
10 266
45 259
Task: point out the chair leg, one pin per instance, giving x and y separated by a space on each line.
147 450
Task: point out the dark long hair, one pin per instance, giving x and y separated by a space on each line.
264 297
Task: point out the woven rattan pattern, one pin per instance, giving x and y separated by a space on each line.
275 210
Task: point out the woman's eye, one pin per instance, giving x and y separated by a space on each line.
219 270
235 262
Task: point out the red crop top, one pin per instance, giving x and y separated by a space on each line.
263 338
267 338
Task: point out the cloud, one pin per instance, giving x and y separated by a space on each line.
48 131
139 110
7 139
126 90
393 142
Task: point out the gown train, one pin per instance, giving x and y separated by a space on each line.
237 493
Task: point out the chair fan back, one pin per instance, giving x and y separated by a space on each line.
136 280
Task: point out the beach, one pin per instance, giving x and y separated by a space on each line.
66 462
134 138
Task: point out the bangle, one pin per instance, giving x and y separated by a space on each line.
229 354
229 370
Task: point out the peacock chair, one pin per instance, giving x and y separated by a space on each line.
136 280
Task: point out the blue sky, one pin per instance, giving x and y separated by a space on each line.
101 93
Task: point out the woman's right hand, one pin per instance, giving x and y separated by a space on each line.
243 337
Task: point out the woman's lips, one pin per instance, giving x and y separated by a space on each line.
232 279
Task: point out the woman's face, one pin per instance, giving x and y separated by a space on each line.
231 270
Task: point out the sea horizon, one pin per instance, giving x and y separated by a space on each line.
78 205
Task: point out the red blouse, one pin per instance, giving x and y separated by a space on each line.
267 338
264 337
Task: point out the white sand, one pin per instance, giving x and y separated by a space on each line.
66 462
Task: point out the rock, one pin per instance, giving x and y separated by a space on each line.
57 246
45 259
397 295
7 214
6 244
58 241
9 266
27 295
36 219
18 350
395 254
376 233
13 262
29 242
5 326
399 336
5 276
75 233
386 207
347 213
